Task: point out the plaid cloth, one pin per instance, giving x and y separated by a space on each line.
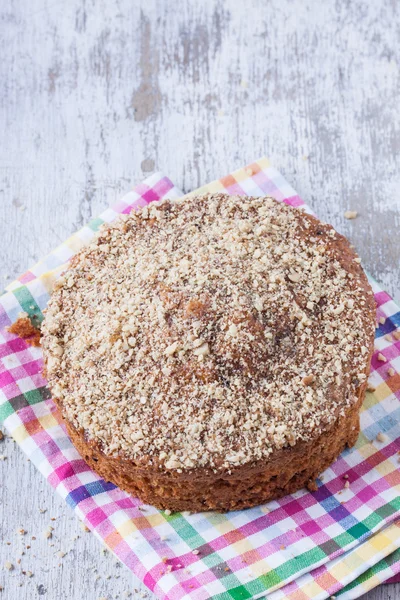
337 540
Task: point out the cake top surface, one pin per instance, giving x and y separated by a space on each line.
209 332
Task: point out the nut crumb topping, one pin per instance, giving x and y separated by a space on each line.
209 332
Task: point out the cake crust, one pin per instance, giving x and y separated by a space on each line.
211 353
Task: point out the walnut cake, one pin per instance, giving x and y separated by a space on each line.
211 353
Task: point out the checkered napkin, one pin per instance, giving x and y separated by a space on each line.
335 541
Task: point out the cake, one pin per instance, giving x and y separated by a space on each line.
211 353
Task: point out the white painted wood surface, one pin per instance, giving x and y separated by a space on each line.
94 95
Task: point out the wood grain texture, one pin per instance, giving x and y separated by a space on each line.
94 95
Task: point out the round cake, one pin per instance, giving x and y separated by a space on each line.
211 353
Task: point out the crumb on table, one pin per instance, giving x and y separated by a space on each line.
25 330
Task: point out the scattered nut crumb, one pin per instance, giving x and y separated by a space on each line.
347 484
3 457
381 437
391 372
350 214
371 388
396 335
312 485
21 531
167 512
388 337
195 551
8 565
29 573
25 330
381 357
83 526
265 510
382 320
60 554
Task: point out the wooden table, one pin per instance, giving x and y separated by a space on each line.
96 95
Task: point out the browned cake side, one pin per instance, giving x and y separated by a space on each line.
287 471
211 353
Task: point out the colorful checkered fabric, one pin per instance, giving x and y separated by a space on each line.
337 540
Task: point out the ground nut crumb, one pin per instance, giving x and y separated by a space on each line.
350 214
381 437
170 350
233 330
